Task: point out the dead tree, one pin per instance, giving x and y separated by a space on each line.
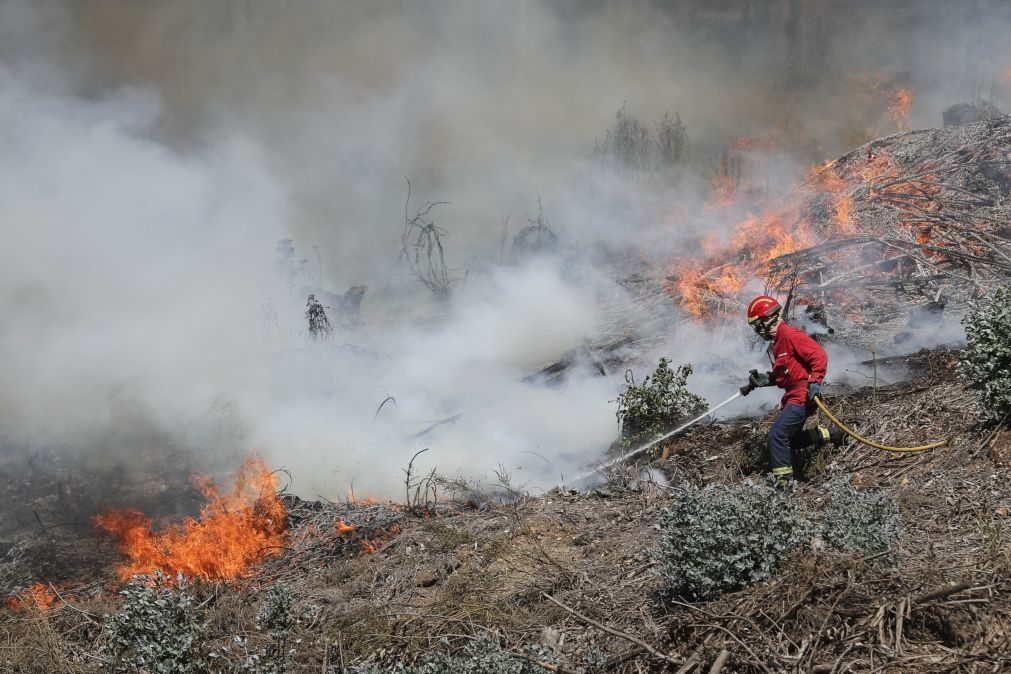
672 141
421 247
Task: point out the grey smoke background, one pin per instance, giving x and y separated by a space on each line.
154 153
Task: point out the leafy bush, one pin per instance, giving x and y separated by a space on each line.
479 657
655 406
157 630
866 522
724 537
986 360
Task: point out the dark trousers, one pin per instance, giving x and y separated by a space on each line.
788 423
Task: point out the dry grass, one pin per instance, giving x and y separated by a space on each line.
34 640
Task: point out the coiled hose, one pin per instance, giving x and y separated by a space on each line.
871 443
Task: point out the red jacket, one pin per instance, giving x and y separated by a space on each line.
797 360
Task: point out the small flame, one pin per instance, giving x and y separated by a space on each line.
235 531
898 108
39 595
352 499
380 538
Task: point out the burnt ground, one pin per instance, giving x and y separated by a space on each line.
50 495
445 574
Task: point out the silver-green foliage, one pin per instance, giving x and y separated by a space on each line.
479 657
652 407
157 630
724 537
278 616
866 522
986 360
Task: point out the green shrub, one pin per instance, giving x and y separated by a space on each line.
866 522
655 406
724 537
157 630
479 657
986 360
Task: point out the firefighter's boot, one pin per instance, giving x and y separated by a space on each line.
784 477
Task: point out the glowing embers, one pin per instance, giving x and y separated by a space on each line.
235 532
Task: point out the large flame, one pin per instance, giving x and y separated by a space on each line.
236 531
713 280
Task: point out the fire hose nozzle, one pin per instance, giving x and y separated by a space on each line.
750 386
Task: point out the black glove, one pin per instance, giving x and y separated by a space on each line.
756 379
813 390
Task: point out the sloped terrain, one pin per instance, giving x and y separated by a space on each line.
574 571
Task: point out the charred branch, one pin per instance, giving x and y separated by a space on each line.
421 247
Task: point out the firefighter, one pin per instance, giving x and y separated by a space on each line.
798 367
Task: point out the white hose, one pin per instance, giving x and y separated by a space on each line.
651 443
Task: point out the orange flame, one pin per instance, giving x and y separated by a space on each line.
39 595
828 180
783 228
236 530
898 108
799 221
380 538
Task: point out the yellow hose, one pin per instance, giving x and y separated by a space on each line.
871 443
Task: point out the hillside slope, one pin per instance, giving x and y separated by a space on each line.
442 576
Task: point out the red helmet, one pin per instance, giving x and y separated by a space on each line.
762 306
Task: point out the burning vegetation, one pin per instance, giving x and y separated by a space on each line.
907 220
38 596
235 532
